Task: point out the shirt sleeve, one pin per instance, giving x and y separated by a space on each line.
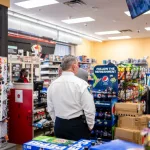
50 105
87 103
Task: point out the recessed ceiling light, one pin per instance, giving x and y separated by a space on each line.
36 3
107 32
119 37
128 13
147 28
78 20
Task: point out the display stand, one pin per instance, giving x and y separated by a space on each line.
105 92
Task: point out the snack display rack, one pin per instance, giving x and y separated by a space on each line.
132 87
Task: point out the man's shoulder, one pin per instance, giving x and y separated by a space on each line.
79 81
57 80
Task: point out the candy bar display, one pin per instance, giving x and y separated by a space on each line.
105 92
3 101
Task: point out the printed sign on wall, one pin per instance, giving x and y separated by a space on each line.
19 96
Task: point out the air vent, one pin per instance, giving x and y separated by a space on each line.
127 30
74 2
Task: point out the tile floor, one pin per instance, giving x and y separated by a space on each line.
19 147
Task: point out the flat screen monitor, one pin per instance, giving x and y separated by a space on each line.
138 7
48 50
38 85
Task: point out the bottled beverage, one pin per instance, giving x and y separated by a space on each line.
93 144
101 114
99 141
105 133
108 115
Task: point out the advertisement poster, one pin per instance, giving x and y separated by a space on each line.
106 77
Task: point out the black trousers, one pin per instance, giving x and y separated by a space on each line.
73 129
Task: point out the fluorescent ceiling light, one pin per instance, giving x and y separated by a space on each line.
35 3
107 32
147 28
119 37
10 13
128 13
78 20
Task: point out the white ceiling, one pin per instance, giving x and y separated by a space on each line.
109 16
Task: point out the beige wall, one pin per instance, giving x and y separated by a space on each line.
5 3
115 50
85 48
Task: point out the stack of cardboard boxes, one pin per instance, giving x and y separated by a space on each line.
130 122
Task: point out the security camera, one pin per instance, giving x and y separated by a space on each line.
85 25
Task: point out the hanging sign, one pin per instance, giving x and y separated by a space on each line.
36 49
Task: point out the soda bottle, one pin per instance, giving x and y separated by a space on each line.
99 141
101 114
93 144
105 133
108 115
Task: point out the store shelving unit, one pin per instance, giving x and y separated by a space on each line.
15 67
3 102
42 122
49 71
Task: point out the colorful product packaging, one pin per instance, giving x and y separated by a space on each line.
37 145
54 140
80 145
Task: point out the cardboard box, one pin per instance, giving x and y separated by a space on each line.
128 135
134 123
129 109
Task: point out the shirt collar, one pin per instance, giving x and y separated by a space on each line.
67 73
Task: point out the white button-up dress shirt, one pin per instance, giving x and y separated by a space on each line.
68 97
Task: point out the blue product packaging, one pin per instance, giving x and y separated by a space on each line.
37 145
80 145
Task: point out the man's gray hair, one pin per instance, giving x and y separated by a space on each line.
67 61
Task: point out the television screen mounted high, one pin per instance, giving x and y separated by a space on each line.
138 7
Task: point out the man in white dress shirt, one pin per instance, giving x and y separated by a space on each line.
70 104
